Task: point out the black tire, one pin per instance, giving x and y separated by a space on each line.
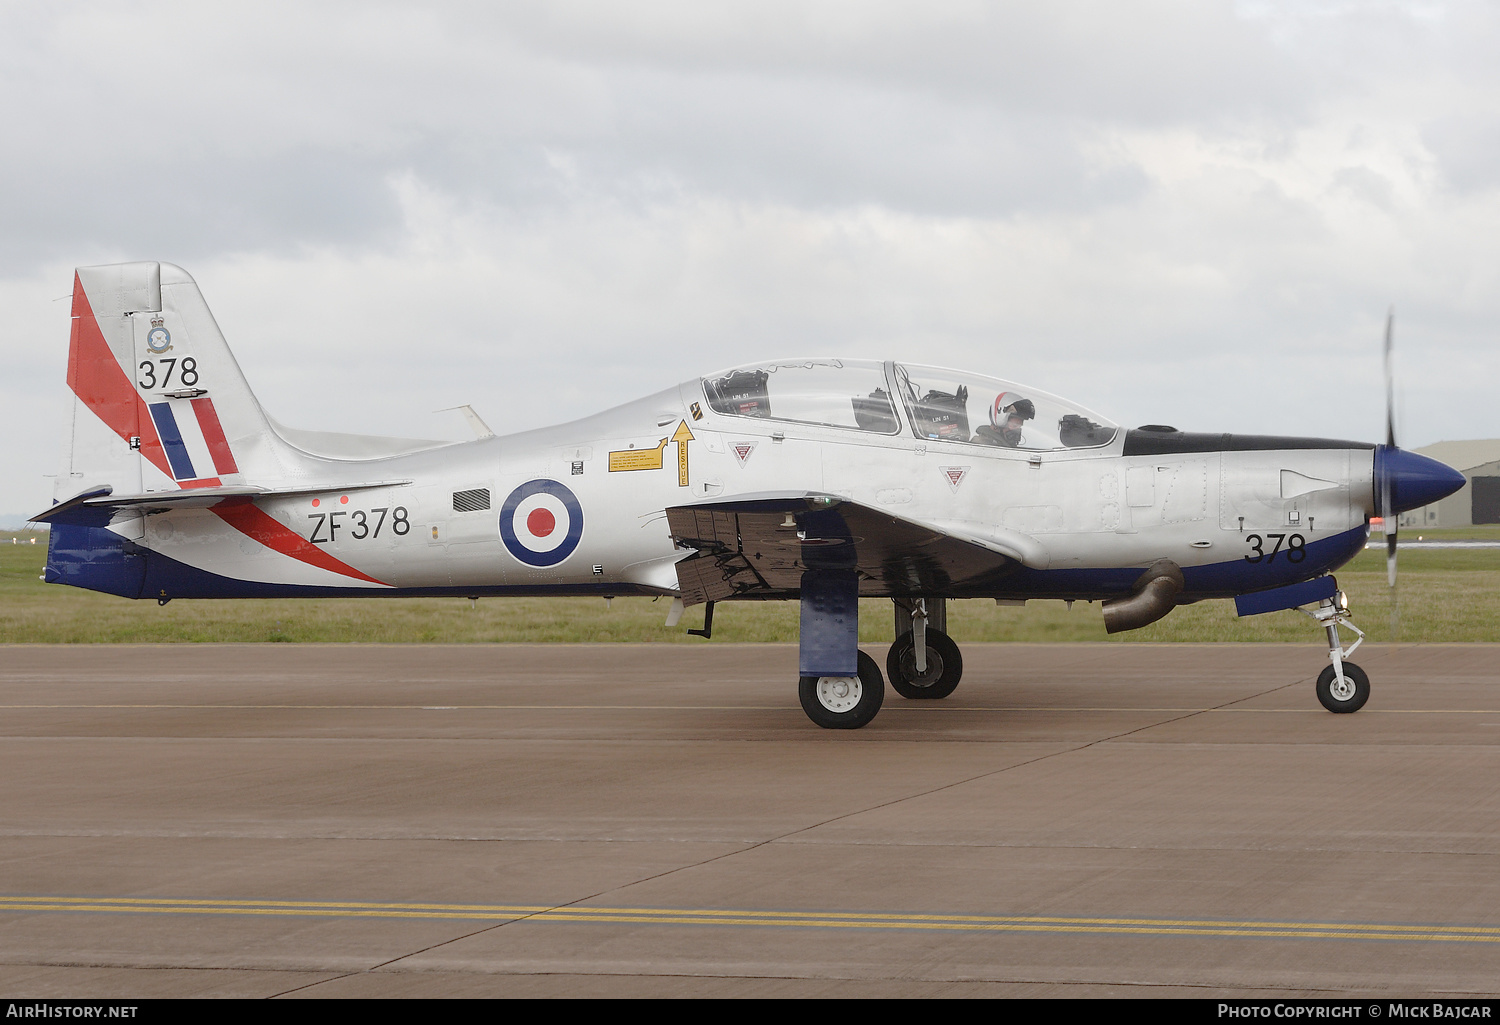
945 666
1353 702
843 703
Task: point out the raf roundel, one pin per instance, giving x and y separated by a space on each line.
541 522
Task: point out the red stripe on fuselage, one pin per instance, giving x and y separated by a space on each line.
201 482
97 379
251 520
213 433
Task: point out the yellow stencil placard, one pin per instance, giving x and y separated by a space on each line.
638 458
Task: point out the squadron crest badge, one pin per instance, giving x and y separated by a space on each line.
158 339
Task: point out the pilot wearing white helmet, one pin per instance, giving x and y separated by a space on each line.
1008 414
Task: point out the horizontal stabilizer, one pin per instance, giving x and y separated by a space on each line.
86 508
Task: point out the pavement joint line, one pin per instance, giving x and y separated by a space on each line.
590 972
1427 932
757 708
671 871
1341 851
898 800
314 982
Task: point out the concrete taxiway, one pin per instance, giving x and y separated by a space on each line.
574 820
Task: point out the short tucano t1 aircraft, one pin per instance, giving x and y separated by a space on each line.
815 480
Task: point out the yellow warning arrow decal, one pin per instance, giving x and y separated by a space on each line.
682 436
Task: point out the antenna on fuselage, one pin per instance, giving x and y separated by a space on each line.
478 426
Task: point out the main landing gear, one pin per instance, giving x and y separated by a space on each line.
1342 686
924 662
843 702
840 686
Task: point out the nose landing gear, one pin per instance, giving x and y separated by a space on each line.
1342 686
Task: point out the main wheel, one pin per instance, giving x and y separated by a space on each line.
1350 696
843 702
944 666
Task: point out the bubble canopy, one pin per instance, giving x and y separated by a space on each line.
938 404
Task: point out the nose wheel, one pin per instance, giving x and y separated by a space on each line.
1342 686
1346 694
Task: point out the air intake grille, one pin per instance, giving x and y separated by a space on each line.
471 501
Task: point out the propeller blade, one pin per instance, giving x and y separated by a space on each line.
1395 594
1390 381
1390 522
1389 516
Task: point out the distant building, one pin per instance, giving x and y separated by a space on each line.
1478 501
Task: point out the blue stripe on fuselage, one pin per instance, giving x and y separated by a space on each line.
1215 580
96 558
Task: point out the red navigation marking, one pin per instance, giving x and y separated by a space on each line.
249 519
213 433
315 502
343 500
100 383
541 522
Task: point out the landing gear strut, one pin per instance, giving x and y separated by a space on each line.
1342 686
924 662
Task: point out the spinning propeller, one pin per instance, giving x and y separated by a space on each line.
1389 518
1403 480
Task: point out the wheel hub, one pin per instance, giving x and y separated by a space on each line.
1342 689
839 693
931 676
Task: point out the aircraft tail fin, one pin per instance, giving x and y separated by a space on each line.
159 402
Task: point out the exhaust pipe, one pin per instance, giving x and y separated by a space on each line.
1151 598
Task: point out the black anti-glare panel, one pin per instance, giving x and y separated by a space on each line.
1160 443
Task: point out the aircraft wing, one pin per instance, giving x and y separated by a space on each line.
755 546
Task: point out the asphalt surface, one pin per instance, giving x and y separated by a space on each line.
632 820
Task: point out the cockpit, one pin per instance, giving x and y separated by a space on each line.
939 405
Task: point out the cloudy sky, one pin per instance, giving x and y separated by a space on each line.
1190 213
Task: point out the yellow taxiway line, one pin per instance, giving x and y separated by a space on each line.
1423 933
